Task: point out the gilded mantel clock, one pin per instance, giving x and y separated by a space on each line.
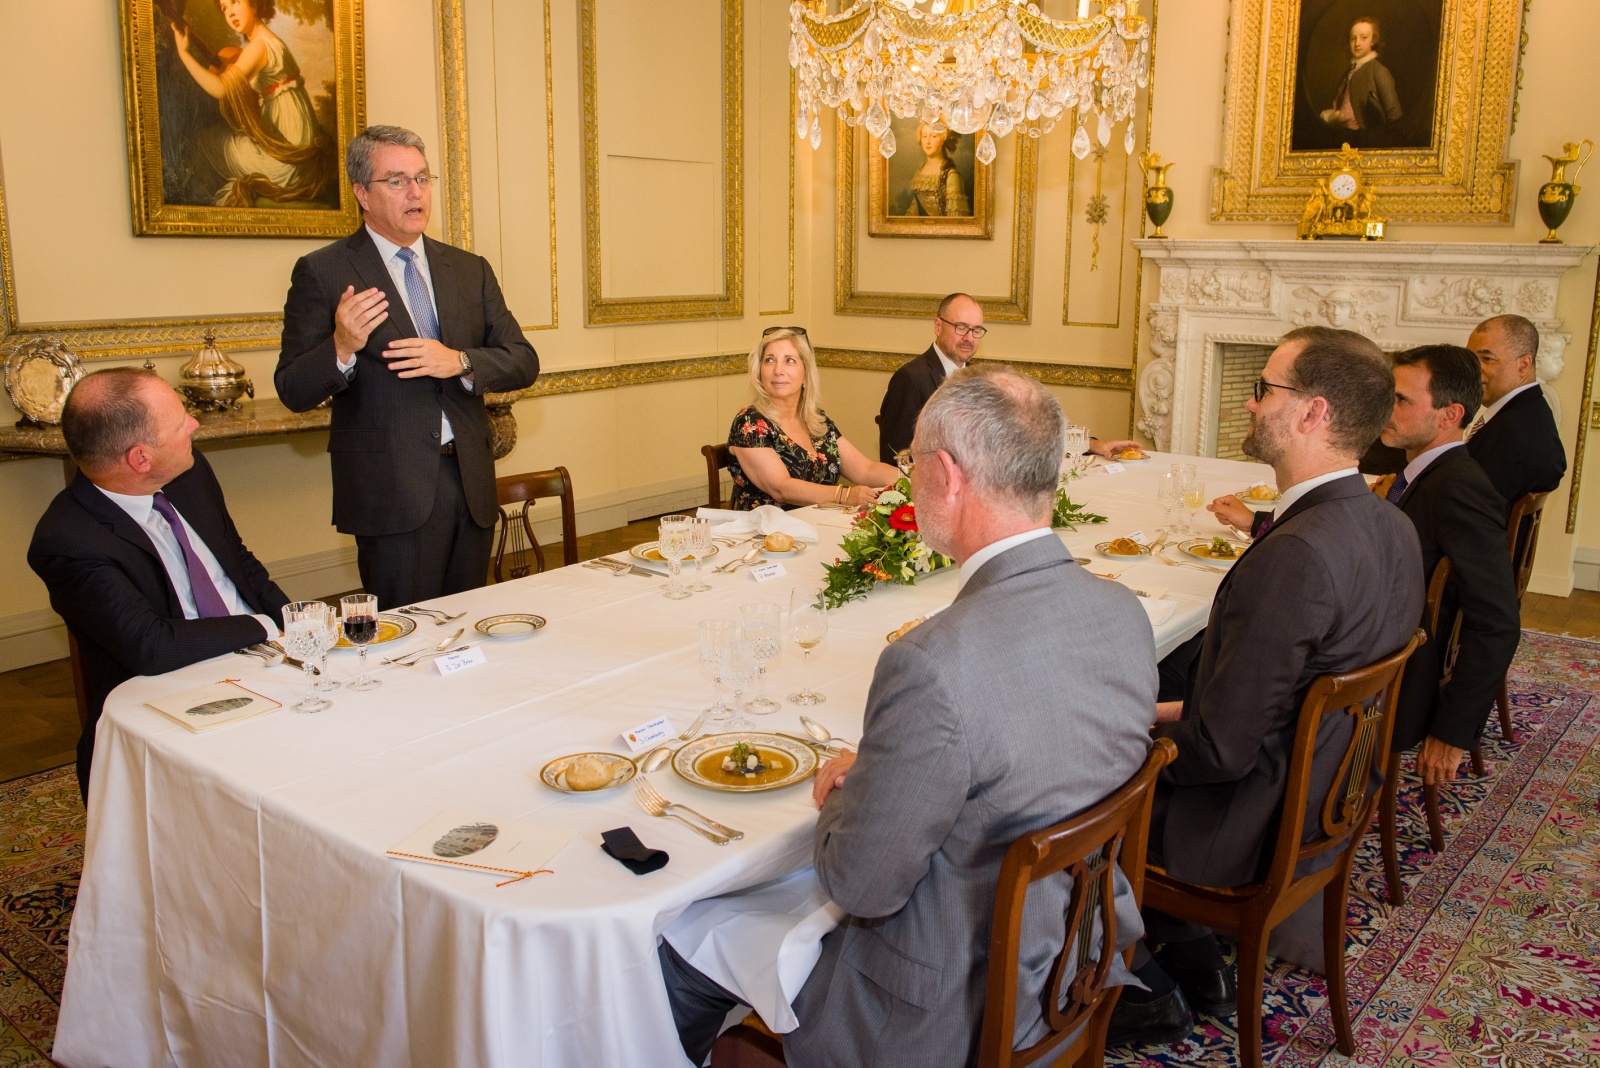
1342 205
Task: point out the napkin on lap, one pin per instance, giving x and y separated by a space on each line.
767 519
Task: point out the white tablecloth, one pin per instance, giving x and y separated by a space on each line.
236 906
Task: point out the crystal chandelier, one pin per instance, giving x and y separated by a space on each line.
969 65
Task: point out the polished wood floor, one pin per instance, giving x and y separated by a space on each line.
39 720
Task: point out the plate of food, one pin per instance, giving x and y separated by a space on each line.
509 624
1259 495
1128 456
780 544
651 551
1122 548
1214 550
391 625
744 762
587 773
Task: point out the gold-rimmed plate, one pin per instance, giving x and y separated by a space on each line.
651 551
590 772
1201 549
509 624
1104 549
700 762
795 550
1248 497
391 627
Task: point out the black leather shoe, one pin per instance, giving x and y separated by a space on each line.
1212 992
1166 1021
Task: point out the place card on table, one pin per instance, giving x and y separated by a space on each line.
1111 467
213 706
767 572
449 665
492 846
647 735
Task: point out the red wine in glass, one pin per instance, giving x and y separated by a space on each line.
360 630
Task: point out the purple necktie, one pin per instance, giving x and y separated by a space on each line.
1397 490
1266 525
207 601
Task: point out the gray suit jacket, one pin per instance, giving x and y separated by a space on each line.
1026 701
1334 585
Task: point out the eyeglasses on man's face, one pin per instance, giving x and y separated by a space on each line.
1262 386
962 329
399 182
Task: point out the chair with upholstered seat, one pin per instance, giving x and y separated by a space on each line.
1522 538
517 552
1089 847
1367 698
717 459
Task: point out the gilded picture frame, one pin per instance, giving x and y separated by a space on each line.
1444 161
933 186
237 121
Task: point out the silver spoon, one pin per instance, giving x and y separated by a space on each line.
745 559
821 733
653 760
437 648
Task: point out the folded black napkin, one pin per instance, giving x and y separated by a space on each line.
624 846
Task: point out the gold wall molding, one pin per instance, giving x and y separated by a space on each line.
1085 376
792 139
1138 268
1012 308
729 304
456 151
618 376
8 284
1585 405
1463 177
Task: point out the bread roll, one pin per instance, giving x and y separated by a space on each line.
778 542
588 773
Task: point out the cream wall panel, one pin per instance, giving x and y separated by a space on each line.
658 227
771 191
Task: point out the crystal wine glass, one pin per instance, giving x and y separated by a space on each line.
714 635
808 625
761 629
673 545
360 615
699 548
1194 499
1185 474
1168 493
304 626
325 679
737 667
1077 443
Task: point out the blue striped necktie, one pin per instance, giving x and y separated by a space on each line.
1397 490
422 315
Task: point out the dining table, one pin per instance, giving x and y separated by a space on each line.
238 906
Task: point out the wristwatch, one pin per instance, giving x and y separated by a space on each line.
466 364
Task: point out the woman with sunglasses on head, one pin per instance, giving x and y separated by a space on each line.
785 450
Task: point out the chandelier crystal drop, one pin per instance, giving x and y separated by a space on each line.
972 66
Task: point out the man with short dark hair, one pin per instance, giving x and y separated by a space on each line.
1515 438
1001 715
1457 514
138 552
1333 583
406 334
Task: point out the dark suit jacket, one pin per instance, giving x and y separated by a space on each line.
1520 448
1334 585
1001 715
107 581
1458 514
909 389
384 441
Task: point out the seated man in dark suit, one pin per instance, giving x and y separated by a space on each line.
1457 514
138 552
999 716
1333 583
1515 438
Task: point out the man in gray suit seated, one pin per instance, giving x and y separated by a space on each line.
1026 701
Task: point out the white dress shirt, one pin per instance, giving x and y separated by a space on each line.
973 563
1300 489
950 367
1420 464
142 511
1494 409
388 251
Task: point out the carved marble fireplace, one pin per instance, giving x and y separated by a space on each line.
1216 297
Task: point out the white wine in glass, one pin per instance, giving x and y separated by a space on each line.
808 625
1194 499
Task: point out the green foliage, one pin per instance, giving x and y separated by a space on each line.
882 546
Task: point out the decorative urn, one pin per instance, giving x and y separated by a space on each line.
1557 196
212 382
1157 194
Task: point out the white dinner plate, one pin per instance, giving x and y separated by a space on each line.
650 552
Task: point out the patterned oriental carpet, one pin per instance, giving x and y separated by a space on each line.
1492 962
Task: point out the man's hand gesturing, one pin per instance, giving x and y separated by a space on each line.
354 320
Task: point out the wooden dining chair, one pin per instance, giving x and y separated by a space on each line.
1527 512
717 459
1089 847
1391 777
80 683
1366 697
517 552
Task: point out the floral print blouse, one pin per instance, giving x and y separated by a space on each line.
752 430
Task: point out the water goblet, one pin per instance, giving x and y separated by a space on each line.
1185 474
1077 443
359 613
760 627
673 545
1168 493
737 667
325 679
808 625
700 548
714 635
304 627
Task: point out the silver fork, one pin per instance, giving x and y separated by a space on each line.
642 786
439 618
694 728
655 805
1179 563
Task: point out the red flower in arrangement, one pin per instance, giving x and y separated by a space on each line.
903 518
875 571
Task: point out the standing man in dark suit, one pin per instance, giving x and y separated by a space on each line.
1457 514
406 334
999 716
1332 584
138 552
1515 438
957 329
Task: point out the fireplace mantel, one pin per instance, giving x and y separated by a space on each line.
1399 293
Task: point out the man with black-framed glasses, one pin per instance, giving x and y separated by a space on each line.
406 334
957 330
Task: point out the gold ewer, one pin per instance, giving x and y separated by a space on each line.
1557 196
